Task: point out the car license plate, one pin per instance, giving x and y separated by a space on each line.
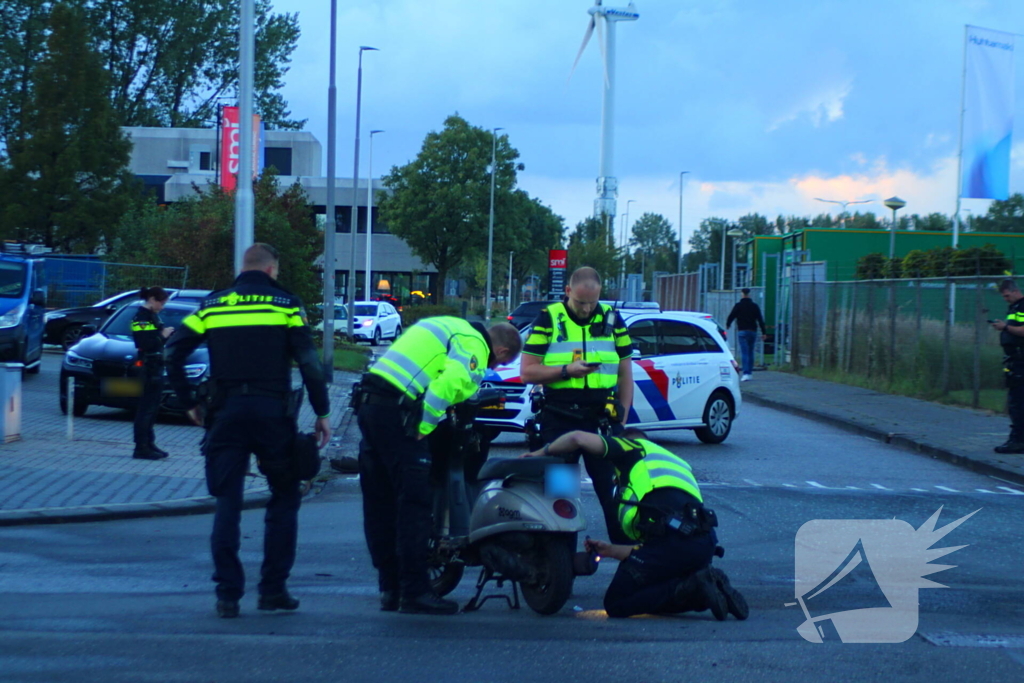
121 387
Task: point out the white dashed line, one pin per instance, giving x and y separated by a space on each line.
946 488
855 488
1009 490
983 491
921 490
883 488
751 482
816 485
792 486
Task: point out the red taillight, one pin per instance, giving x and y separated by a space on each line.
564 508
138 363
510 318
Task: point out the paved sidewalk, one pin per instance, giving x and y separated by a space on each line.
44 477
961 436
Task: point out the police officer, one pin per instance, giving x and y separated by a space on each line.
666 568
1011 337
581 351
436 363
149 335
254 330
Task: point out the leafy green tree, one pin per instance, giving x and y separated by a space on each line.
756 224
589 245
706 243
825 220
933 222
655 245
23 31
863 221
439 202
983 260
871 266
915 263
1003 216
937 261
66 182
892 268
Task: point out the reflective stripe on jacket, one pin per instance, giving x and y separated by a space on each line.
658 469
442 359
568 338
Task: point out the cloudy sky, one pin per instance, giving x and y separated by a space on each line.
766 104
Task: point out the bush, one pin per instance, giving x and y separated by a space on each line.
413 314
870 266
915 263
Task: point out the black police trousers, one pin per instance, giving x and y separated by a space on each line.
645 582
147 408
252 425
601 471
394 474
1015 399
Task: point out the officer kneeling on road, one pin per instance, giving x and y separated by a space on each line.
661 507
436 363
254 330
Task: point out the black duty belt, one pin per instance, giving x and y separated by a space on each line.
245 389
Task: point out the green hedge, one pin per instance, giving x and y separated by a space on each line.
413 314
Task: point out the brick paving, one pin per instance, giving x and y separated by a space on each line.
44 470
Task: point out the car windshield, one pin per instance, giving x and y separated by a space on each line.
120 325
12 279
366 309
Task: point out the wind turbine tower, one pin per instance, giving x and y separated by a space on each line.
603 19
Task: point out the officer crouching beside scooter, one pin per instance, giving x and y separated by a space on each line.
436 363
659 506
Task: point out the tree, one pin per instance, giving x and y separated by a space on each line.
439 202
871 266
706 243
198 232
1005 215
66 183
863 221
589 246
655 245
934 222
23 29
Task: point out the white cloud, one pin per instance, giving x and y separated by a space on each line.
825 104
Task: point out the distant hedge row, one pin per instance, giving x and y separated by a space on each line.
937 262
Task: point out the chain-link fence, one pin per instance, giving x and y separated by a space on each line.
927 336
82 282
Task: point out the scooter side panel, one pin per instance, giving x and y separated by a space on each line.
500 509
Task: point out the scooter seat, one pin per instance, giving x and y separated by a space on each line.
532 468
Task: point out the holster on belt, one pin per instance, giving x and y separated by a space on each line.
693 520
374 390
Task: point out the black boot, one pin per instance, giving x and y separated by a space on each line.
275 602
734 600
1010 447
146 453
698 592
389 601
153 447
428 603
227 609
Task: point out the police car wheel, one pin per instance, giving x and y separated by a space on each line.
376 337
718 416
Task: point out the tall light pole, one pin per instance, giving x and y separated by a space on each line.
244 200
331 222
725 243
509 302
625 243
844 203
369 209
894 203
490 223
350 289
679 265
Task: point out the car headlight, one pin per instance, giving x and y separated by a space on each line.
13 316
194 371
73 360
367 323
52 315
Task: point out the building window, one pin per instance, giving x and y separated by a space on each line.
280 158
205 161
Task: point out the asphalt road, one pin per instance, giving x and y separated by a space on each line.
132 601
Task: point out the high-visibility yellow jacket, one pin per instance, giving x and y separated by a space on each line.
442 359
567 341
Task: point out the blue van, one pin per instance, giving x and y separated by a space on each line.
22 304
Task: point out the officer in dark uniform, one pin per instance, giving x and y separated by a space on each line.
254 330
149 335
1011 337
666 565
581 351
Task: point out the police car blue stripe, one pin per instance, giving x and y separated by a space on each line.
657 401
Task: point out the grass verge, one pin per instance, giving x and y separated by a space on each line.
351 357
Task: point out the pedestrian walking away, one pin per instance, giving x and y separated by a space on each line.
149 335
436 363
254 330
747 315
581 352
666 566
1011 337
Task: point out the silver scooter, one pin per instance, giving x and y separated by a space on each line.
504 522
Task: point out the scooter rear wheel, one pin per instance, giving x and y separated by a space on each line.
555 577
444 578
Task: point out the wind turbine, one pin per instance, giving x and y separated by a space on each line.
602 18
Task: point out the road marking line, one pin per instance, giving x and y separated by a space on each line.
1013 491
751 482
792 486
879 486
921 490
983 491
817 485
856 488
946 488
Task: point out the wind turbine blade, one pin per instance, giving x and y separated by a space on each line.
604 50
586 39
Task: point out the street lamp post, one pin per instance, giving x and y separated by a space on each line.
490 223
350 289
894 203
679 265
244 199
509 302
367 281
844 203
331 223
625 249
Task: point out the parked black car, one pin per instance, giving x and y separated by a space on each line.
64 326
106 369
527 312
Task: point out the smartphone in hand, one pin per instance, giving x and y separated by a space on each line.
593 364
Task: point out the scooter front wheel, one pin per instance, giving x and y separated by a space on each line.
444 578
554 577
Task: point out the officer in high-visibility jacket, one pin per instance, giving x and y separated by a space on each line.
581 352
254 330
149 334
436 363
1011 337
666 567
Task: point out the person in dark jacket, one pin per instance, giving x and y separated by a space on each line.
254 330
149 334
747 315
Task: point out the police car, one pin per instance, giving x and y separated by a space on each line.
684 377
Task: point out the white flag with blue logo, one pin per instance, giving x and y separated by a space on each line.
988 114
